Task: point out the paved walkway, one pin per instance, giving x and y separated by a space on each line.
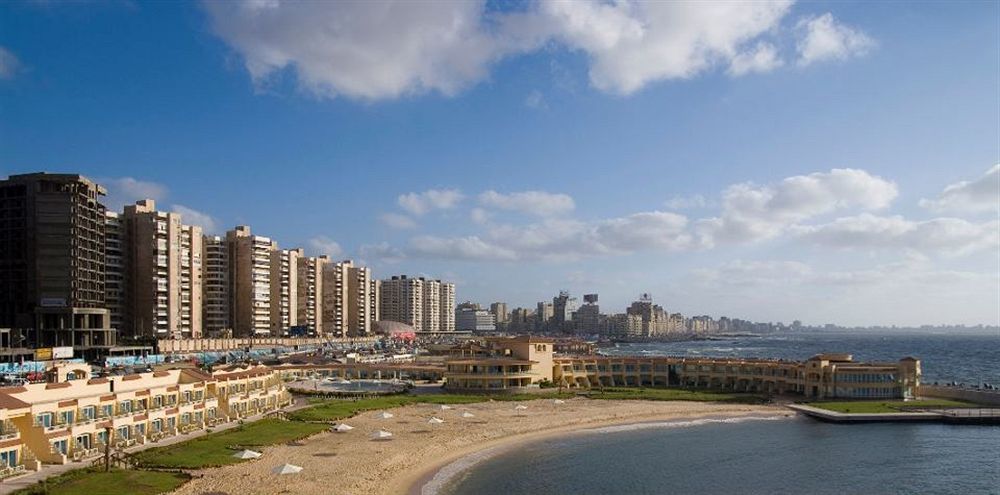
12 485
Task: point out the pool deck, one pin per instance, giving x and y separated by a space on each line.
990 416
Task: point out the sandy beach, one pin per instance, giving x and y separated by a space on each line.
351 463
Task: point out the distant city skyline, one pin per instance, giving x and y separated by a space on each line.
827 162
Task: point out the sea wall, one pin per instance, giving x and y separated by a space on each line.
977 396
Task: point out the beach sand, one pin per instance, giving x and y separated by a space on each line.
353 464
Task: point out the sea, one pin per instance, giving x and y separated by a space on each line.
767 455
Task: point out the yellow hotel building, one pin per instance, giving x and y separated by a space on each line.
75 419
516 364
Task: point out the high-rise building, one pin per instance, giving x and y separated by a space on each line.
310 292
655 320
403 301
544 315
52 260
447 307
114 269
362 301
347 300
499 310
469 317
521 320
250 282
163 274
284 289
588 318
563 307
432 306
215 320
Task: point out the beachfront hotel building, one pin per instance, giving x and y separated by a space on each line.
74 418
500 364
513 364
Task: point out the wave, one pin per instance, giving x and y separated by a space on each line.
681 424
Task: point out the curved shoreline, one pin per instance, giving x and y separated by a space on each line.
431 479
353 464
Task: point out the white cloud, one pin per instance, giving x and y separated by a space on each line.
397 221
191 216
535 100
752 212
460 248
762 58
127 190
953 236
387 49
479 216
432 199
381 252
823 38
539 203
686 202
324 245
9 64
367 50
631 44
563 240
980 195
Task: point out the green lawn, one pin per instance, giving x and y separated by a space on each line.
885 406
217 449
334 409
673 394
115 482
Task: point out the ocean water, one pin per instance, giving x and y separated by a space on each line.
964 358
790 456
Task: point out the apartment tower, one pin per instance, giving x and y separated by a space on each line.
309 304
163 274
52 260
249 282
284 289
215 287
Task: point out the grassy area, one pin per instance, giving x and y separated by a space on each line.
673 394
885 406
333 410
115 482
216 449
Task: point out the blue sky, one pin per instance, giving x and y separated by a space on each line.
827 161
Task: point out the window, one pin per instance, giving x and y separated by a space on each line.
60 446
43 419
66 417
106 410
88 413
125 407
102 437
8 458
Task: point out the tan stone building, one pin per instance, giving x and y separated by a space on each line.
309 302
284 289
403 301
250 282
163 274
215 287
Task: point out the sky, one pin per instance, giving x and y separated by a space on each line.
831 162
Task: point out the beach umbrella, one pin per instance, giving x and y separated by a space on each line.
435 421
246 454
381 435
383 415
444 407
467 414
286 469
558 401
520 407
342 428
